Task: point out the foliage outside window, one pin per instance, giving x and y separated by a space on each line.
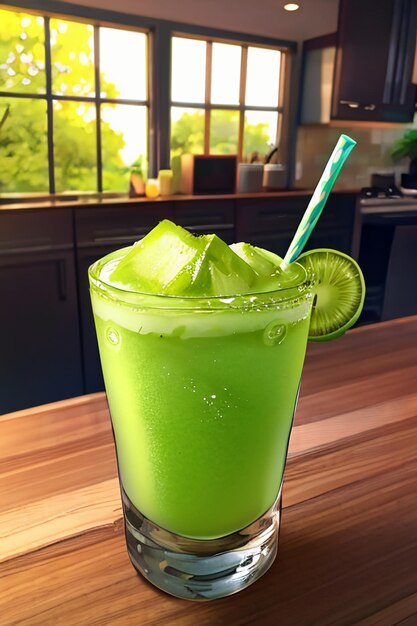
226 98
73 104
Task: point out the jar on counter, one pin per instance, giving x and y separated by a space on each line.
152 188
165 182
250 177
274 176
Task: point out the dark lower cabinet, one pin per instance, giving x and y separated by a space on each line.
93 377
40 349
40 356
272 223
207 216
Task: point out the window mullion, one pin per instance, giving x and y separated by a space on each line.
207 97
242 90
97 102
160 99
49 104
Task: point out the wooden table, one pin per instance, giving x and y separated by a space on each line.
348 548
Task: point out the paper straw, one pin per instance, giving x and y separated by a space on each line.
319 198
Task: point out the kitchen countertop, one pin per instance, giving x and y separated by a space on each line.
348 547
124 200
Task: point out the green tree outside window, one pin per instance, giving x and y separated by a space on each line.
23 134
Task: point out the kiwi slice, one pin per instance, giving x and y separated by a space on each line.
339 292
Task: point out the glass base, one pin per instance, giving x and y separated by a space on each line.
201 569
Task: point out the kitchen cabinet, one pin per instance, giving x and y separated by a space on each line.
364 71
40 356
207 216
374 61
272 223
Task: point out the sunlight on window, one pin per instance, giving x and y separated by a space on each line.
224 131
187 131
22 53
188 70
75 126
123 62
225 73
260 132
262 80
72 55
124 142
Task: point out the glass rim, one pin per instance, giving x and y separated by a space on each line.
150 300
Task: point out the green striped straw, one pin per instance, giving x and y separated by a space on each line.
319 198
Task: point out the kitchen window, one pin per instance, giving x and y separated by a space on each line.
226 97
74 104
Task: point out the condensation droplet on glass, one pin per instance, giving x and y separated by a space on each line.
113 336
274 333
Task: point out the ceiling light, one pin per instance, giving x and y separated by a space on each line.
291 6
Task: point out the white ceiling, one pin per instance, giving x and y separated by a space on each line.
262 17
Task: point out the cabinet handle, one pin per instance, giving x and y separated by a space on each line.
62 280
207 228
350 103
355 105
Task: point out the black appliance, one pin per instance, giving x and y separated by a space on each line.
208 174
382 186
388 252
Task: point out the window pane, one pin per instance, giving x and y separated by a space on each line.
22 53
72 55
188 70
123 64
225 73
224 132
262 80
23 145
124 142
75 146
260 132
187 131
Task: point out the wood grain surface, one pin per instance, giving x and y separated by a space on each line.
348 545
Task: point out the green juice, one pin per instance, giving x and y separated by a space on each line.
202 394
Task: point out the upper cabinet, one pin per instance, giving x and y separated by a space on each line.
364 71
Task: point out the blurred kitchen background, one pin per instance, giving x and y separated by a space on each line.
218 115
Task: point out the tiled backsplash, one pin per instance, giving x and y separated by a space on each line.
371 155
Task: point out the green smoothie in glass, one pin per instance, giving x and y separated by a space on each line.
202 347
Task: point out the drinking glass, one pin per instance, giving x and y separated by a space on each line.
202 393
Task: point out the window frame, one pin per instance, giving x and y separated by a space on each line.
207 106
160 32
97 100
